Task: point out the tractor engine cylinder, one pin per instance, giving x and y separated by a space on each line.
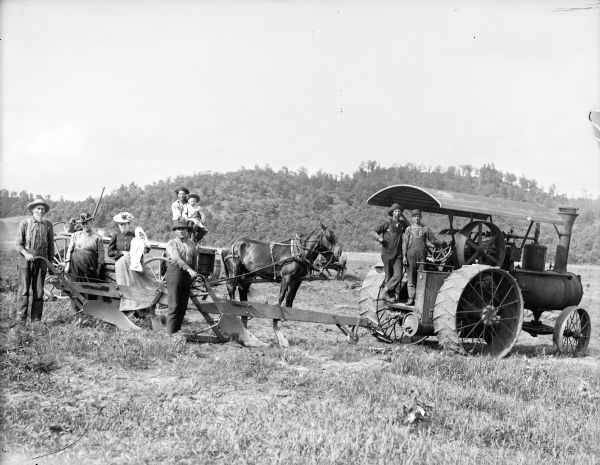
548 290
569 215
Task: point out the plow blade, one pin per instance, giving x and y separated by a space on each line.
110 313
232 328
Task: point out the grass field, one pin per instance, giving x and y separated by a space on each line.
92 394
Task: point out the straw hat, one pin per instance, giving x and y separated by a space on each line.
36 202
415 212
184 189
123 217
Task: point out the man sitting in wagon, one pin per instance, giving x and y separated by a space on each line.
179 204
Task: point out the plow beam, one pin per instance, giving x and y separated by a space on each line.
347 324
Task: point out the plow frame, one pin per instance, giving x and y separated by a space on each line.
226 318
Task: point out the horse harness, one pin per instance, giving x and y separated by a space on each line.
296 252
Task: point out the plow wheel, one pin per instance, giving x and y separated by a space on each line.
478 310
572 331
480 242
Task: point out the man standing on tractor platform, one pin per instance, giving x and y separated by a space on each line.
389 235
179 204
182 254
414 248
35 238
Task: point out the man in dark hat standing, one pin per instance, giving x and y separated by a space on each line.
414 248
179 204
389 235
182 254
35 238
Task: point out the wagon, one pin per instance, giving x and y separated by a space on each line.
474 291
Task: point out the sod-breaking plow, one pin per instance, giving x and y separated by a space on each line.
227 319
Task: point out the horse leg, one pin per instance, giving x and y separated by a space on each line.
243 288
294 285
283 288
230 272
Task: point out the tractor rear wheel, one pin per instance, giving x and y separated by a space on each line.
572 331
479 310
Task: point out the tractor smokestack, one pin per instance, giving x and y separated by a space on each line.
569 215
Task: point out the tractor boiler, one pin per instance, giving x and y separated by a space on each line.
548 290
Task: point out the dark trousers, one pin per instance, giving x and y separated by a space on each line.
31 276
178 293
413 258
393 272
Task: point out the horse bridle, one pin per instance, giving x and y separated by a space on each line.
316 244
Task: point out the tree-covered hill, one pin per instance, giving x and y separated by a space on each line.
274 205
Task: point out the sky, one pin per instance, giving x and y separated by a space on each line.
104 93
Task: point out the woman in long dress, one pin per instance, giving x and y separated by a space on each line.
85 253
119 249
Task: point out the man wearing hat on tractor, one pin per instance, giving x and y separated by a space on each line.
414 248
182 254
35 238
389 235
179 204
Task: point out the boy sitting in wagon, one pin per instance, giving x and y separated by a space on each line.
192 212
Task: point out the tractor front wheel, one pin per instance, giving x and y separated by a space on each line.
572 331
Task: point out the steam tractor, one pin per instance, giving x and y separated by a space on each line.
472 291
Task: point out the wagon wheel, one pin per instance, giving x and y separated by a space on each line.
572 331
156 265
51 291
480 242
479 310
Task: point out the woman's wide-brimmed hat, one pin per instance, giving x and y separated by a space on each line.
194 196
84 218
184 189
395 206
181 224
123 217
36 202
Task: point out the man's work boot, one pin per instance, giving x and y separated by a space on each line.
411 295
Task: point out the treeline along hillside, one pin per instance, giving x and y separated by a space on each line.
276 205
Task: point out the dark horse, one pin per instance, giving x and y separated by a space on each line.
287 261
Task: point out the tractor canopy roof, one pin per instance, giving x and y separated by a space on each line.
459 204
